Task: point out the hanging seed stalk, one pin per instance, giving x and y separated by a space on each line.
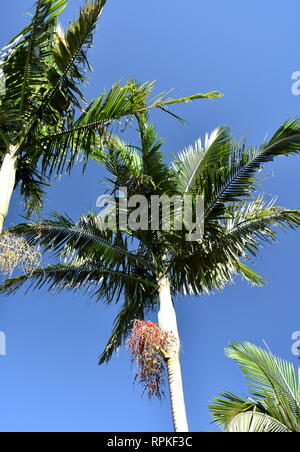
16 252
147 343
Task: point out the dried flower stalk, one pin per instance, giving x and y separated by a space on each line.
16 252
147 344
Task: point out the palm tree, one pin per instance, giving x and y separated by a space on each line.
45 122
145 267
274 402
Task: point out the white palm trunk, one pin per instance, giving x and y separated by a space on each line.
167 322
7 181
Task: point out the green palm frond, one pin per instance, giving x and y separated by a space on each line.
53 8
261 368
270 379
202 273
42 107
128 156
32 185
274 405
194 161
228 405
101 265
200 267
141 169
238 180
249 274
38 50
64 238
154 165
125 166
256 423
97 279
61 149
70 56
87 134
25 61
255 222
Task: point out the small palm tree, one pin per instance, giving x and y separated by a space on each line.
45 122
146 266
274 402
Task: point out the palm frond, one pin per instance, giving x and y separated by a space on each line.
238 180
38 48
210 156
249 274
200 267
25 62
154 165
62 237
253 223
32 185
227 406
128 156
70 55
271 379
256 423
274 402
96 279
86 135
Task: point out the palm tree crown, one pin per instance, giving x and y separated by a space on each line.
45 121
127 264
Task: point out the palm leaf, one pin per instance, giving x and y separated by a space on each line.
200 267
274 402
193 161
63 238
61 149
256 422
94 278
38 47
154 165
269 378
25 62
253 223
70 50
249 274
238 180
228 405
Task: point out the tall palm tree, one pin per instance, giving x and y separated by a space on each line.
274 402
45 121
146 268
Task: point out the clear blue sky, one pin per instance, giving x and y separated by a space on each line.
50 380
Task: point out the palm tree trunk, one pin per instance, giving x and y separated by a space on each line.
7 181
167 322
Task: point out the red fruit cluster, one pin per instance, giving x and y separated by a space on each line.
146 342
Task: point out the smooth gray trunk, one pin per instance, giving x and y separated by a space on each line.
167 322
7 181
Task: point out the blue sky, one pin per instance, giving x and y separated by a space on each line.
50 380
